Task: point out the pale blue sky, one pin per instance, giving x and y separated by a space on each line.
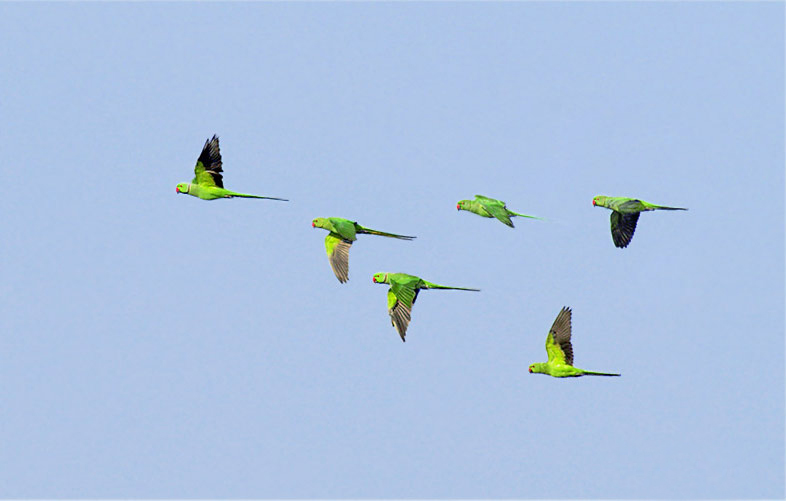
156 345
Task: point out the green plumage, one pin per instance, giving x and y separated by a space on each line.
490 207
625 214
402 294
208 182
342 232
560 351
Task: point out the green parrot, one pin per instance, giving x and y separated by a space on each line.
208 182
560 351
490 207
337 243
402 294
625 214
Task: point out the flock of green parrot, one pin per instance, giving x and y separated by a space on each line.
208 184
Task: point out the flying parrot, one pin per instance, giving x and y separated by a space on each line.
490 207
402 294
625 214
337 243
560 351
208 182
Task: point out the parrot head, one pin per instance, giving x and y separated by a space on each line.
318 222
461 205
599 200
536 368
182 188
380 278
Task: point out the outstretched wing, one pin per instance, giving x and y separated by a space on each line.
558 341
338 254
401 297
495 208
622 227
400 314
207 171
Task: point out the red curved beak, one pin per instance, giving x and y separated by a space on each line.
177 189
313 225
374 279
530 370
593 203
458 207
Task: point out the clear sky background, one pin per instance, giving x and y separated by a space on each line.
157 345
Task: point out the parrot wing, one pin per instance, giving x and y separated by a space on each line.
481 198
400 314
558 344
338 254
344 228
495 208
632 204
405 293
622 227
207 171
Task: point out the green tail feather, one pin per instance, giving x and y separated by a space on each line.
243 195
435 286
589 373
663 207
383 234
524 215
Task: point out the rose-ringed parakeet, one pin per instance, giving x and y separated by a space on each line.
402 294
625 214
490 207
208 182
560 351
337 243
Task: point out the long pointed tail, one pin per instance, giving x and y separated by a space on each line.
437 286
244 195
524 215
383 234
590 373
663 207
